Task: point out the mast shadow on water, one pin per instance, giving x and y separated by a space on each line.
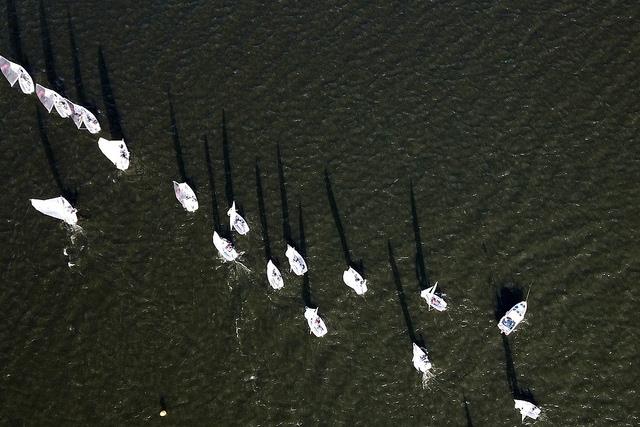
70 195
286 225
466 411
175 134
306 286
226 154
214 198
263 215
517 392
402 300
77 71
56 82
15 37
421 270
358 265
111 109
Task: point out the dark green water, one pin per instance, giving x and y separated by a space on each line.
515 121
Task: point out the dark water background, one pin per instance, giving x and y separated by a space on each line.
516 123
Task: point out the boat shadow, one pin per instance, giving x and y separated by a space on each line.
70 195
402 299
15 37
421 269
358 265
77 70
163 402
212 187
57 83
302 249
226 155
286 225
466 411
506 297
175 135
517 391
111 108
262 214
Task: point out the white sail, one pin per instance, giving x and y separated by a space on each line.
296 262
527 409
45 97
315 322
14 72
432 299
116 151
512 318
236 221
274 276
77 115
81 115
354 280
90 121
224 247
50 99
186 196
58 207
10 73
420 359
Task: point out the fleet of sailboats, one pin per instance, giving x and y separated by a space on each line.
116 151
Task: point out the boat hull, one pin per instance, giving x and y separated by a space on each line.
354 280
273 276
527 409
512 318
420 359
236 221
433 300
315 322
185 196
224 247
296 262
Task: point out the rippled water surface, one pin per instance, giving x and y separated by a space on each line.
489 146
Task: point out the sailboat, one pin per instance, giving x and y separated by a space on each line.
432 299
354 280
512 318
224 247
50 99
236 221
296 262
527 409
116 151
16 73
57 207
82 116
316 324
186 196
420 358
274 276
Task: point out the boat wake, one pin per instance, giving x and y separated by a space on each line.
78 243
428 379
241 266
